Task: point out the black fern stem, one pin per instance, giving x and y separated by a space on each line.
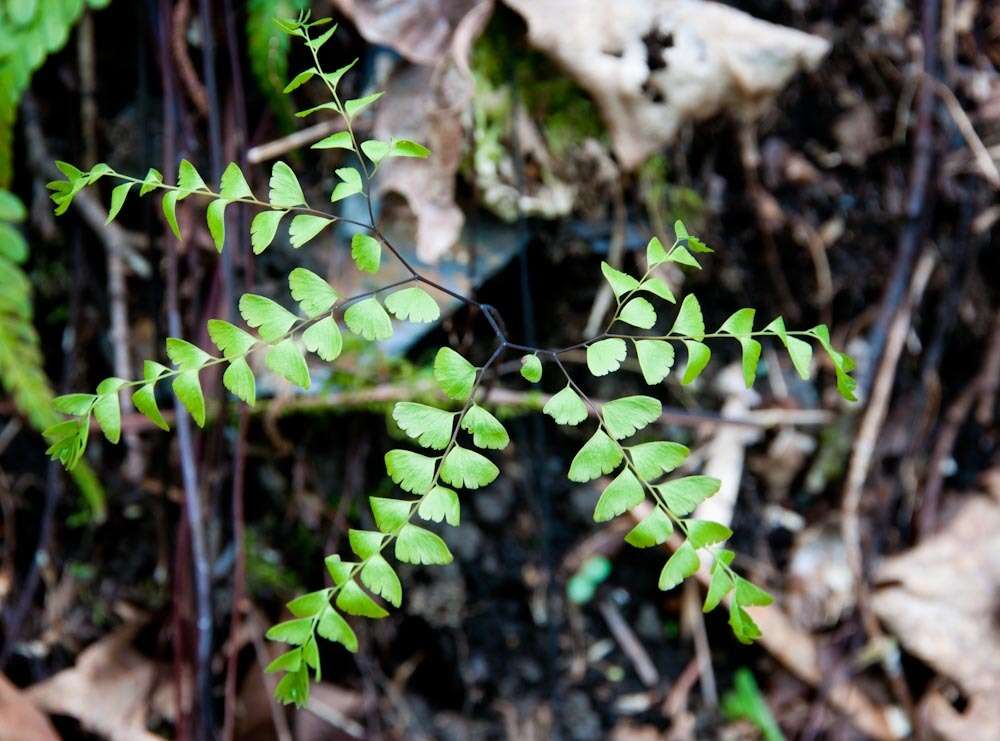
204 727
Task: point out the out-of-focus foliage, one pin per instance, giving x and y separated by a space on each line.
30 30
268 48
21 363
745 702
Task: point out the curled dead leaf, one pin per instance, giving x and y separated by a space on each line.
653 65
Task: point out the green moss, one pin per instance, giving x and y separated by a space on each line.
504 66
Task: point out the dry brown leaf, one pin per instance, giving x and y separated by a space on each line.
941 604
427 105
109 690
19 719
653 65
420 30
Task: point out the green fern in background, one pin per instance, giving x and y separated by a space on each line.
30 30
268 47
21 362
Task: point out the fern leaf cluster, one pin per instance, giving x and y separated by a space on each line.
22 372
453 443
30 30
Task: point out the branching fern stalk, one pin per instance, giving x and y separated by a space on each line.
366 584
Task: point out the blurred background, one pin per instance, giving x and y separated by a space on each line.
841 158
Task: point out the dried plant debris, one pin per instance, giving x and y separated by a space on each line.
654 65
940 602
420 30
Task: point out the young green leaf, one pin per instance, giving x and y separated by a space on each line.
467 469
233 185
800 352
334 77
317 43
429 426
740 324
381 579
365 543
684 495
440 503
151 370
606 356
340 571
333 627
639 313
151 181
413 304
655 253
305 227
368 319
654 529
350 184
705 532
454 374
621 495
698 356
263 228
681 256
390 514
187 387
328 106
295 632
486 430
269 318
652 460
566 407
232 341
749 594
239 379
78 405
188 178
324 339
366 252
751 357
375 150
185 355
531 368
682 564
169 203
419 546
720 583
353 600
285 191
689 322
412 471
626 416
621 283
144 399
353 107
744 627
658 287
118 196
286 360
310 604
598 456
407 148
215 215
656 358
107 412
314 295
293 689
290 661
339 140
299 80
